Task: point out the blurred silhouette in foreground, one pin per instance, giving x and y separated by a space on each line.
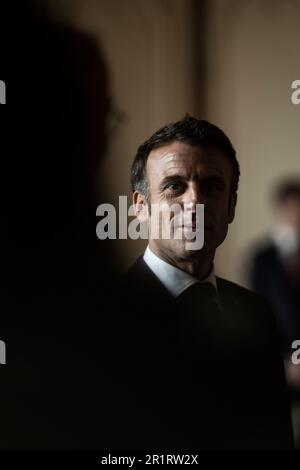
275 273
54 271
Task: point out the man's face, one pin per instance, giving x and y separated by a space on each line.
289 212
179 173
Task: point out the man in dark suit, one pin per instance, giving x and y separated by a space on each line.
276 264
200 356
275 274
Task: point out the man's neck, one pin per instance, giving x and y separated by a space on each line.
199 266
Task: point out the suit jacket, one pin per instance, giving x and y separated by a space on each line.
123 376
269 277
221 388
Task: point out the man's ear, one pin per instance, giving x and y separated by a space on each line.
140 206
231 207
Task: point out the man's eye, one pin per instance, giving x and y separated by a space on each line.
213 187
174 186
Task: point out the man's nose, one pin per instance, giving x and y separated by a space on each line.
193 195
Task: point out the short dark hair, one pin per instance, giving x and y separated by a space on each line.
189 130
287 188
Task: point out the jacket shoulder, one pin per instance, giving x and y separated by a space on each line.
231 290
238 289
250 307
229 285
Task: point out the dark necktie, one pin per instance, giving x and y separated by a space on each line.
199 314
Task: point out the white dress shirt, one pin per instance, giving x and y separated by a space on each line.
174 279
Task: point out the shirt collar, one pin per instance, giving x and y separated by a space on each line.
174 279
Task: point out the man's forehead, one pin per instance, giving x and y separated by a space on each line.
173 151
170 158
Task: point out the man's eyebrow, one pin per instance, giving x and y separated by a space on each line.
176 177
212 178
170 179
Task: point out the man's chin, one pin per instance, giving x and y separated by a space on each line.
184 249
187 249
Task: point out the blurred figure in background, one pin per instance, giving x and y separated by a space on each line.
275 273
